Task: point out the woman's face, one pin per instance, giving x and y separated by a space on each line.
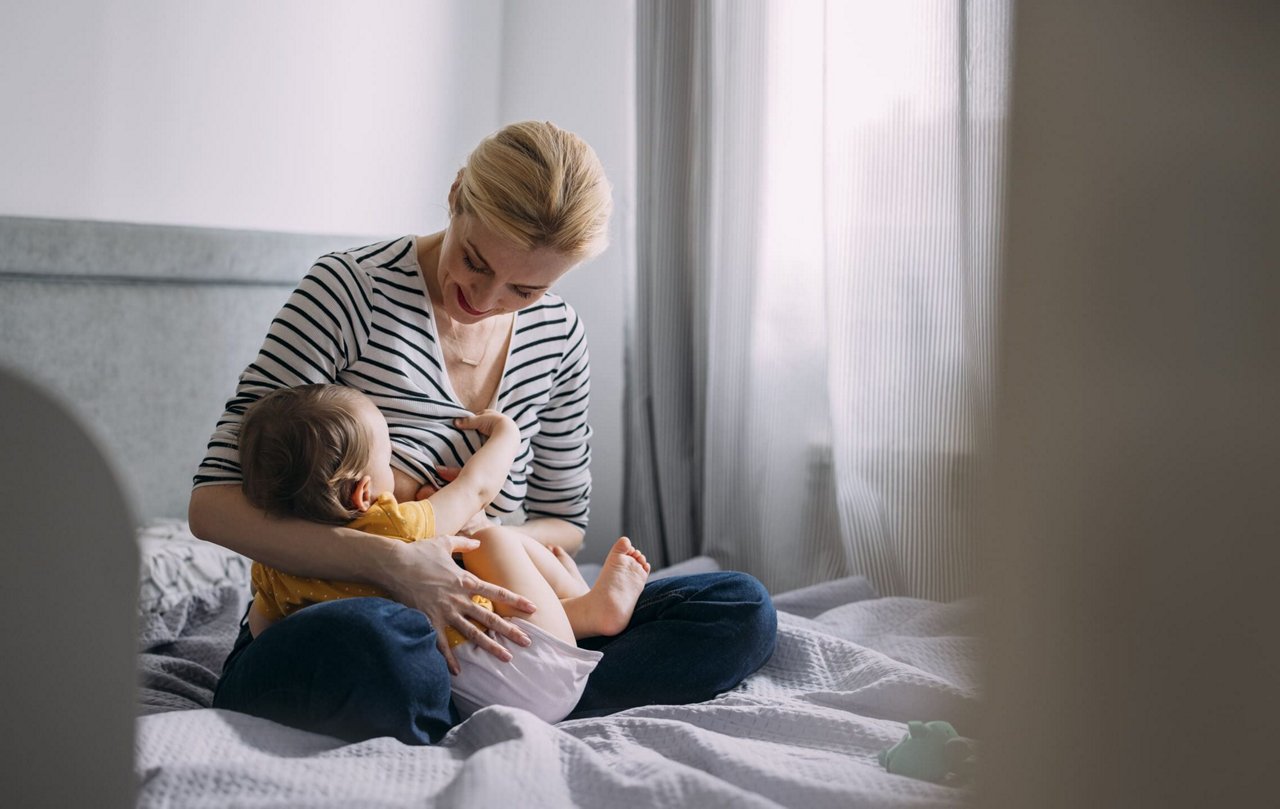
482 275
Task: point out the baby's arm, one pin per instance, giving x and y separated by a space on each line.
482 476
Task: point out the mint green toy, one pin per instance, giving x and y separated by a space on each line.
931 751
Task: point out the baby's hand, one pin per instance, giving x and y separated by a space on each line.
487 422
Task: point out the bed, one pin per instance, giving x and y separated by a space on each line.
850 670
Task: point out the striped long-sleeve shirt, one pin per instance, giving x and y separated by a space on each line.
362 318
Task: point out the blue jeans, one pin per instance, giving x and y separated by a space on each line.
360 668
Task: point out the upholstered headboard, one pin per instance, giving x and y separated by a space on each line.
142 330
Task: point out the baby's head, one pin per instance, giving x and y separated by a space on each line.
318 452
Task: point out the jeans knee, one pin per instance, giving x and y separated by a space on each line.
753 611
749 588
743 589
383 675
386 640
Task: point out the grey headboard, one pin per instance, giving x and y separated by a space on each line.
142 330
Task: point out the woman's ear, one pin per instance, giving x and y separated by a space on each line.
361 494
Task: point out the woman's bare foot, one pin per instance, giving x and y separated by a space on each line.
562 556
606 609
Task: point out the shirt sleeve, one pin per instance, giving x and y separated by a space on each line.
560 470
319 331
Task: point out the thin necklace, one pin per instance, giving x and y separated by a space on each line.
452 339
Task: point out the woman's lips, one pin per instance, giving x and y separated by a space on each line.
466 307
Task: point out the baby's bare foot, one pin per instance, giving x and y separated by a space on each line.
606 610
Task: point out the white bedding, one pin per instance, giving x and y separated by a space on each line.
802 732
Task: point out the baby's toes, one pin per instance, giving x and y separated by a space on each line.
640 560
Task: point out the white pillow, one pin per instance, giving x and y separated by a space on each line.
174 564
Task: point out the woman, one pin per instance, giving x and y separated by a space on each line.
433 328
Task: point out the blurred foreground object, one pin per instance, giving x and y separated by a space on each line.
70 563
1133 549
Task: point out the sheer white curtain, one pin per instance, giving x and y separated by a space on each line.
813 325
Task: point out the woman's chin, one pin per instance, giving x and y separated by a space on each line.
465 318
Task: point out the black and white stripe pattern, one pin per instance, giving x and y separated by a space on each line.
361 318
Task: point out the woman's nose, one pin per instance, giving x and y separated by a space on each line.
484 295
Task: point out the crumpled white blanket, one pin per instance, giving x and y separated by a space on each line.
802 732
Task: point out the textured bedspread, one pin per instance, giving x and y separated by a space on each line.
802 732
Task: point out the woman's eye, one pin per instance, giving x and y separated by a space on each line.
466 259
523 294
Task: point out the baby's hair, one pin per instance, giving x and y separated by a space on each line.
302 452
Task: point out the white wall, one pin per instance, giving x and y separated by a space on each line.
330 116
572 62
318 116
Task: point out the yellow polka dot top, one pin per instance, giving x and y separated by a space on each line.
279 594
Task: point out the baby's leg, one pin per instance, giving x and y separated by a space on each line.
502 559
606 609
557 567
258 620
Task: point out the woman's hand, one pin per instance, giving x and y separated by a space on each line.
430 581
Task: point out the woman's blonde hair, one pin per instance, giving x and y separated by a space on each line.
538 186
302 451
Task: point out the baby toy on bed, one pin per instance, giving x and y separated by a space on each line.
932 751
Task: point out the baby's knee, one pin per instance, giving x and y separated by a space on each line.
496 541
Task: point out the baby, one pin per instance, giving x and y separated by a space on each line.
323 453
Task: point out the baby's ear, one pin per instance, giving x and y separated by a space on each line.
361 494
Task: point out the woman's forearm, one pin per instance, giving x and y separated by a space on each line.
555 531
222 515
421 575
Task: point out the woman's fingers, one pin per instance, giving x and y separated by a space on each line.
438 621
483 417
461 544
448 472
475 635
496 623
500 595
442 643
447 603
463 621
